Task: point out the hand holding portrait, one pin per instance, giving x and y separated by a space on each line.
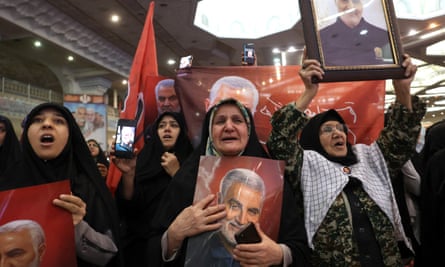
75 205
197 218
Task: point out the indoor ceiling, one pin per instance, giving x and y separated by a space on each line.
82 28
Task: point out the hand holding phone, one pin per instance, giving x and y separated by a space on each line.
249 54
248 235
125 134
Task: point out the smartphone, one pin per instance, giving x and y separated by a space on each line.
186 62
248 235
249 53
125 134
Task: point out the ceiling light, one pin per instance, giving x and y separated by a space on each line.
250 19
115 18
171 62
437 90
437 49
37 44
124 82
432 34
412 32
70 58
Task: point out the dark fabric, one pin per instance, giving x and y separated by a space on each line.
151 180
10 155
363 233
310 137
434 141
432 205
100 158
345 46
180 193
76 164
399 192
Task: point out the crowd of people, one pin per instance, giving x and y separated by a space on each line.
340 202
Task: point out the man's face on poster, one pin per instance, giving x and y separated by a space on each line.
17 250
352 11
167 100
244 96
90 114
80 116
243 205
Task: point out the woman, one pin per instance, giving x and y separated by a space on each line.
10 153
228 131
141 187
99 157
54 150
350 211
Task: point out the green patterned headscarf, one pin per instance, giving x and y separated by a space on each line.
210 148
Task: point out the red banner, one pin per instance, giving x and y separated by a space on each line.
140 103
361 104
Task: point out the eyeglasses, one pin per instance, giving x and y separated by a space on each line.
93 145
328 129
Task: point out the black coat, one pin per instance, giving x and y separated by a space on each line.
180 194
151 180
76 164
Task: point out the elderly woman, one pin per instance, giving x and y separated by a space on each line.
228 131
350 211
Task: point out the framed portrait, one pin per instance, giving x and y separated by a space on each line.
353 39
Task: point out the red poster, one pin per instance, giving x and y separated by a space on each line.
360 103
34 204
252 190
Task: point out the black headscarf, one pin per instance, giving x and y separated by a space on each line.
100 158
253 147
310 137
10 153
149 160
434 141
181 189
76 164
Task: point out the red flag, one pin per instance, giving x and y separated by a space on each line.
142 80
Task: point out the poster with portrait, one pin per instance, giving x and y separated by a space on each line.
360 103
251 189
34 204
353 40
92 120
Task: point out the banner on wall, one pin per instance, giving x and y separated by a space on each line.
252 190
22 207
361 104
90 113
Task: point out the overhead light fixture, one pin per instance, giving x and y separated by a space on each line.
37 43
70 58
246 19
437 90
432 34
437 49
115 18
